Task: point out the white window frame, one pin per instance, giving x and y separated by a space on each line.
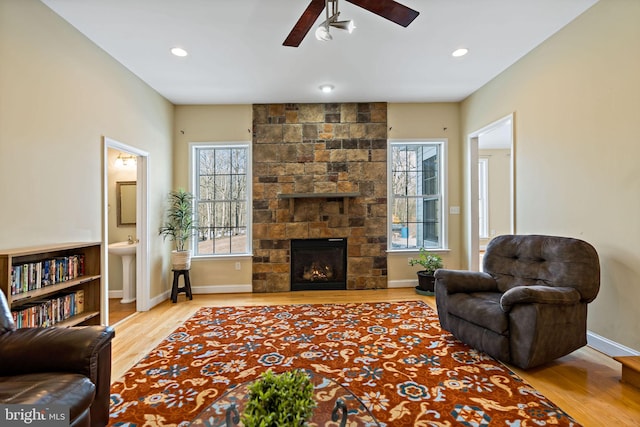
193 171
443 167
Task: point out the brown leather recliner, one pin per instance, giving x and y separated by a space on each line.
63 366
529 305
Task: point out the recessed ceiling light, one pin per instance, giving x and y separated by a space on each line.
178 51
326 88
460 52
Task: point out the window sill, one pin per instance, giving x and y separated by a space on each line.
416 251
229 257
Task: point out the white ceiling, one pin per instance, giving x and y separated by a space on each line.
498 137
236 53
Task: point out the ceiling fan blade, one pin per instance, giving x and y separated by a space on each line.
304 24
389 9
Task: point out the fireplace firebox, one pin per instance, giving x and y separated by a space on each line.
318 264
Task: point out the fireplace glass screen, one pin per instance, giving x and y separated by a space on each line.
318 264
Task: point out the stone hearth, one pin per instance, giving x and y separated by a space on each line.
319 171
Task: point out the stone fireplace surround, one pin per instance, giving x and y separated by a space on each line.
319 171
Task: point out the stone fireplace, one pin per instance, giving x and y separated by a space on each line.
319 172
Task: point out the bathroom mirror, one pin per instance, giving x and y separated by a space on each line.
126 201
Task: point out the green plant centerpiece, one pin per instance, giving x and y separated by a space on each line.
431 262
279 400
179 226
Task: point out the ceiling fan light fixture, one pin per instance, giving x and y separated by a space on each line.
388 9
344 25
322 33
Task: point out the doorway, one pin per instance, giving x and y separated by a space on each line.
491 186
124 220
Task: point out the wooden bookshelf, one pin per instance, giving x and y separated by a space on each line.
90 282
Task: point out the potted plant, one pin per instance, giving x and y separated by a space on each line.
279 400
179 226
431 262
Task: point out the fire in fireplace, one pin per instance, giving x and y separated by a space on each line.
318 264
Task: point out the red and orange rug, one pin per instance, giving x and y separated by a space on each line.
393 356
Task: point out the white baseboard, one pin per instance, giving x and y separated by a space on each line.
116 294
608 347
222 289
211 289
402 283
160 298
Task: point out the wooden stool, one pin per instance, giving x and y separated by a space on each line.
175 290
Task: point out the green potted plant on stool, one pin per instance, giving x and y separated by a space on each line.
179 226
431 262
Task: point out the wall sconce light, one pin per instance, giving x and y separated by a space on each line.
126 161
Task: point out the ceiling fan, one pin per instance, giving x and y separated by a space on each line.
389 9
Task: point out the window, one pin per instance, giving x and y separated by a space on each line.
416 195
221 182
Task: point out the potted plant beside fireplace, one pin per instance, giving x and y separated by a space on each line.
431 262
179 226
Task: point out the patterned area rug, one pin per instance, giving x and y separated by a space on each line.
393 356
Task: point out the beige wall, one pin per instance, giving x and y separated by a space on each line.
59 96
576 100
433 120
211 123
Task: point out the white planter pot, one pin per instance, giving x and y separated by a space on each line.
181 260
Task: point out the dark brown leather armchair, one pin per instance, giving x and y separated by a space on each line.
64 366
529 305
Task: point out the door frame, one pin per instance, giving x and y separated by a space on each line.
142 226
473 227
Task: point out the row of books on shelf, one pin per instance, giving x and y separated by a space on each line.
35 275
50 311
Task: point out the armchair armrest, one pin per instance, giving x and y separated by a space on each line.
539 295
75 349
456 281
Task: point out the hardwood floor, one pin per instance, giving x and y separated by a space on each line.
586 384
119 311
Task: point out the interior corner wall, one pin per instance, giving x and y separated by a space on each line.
424 121
576 100
60 96
211 123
